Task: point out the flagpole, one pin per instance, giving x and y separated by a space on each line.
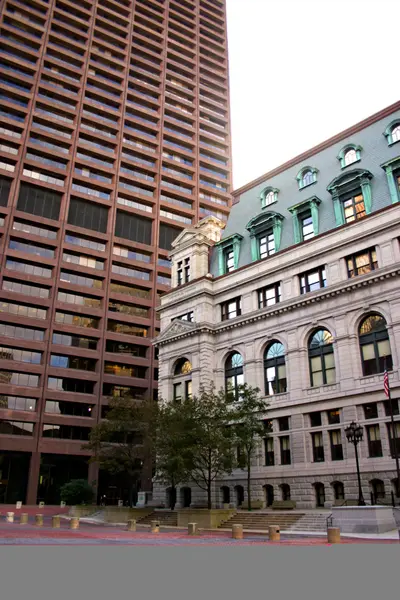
394 433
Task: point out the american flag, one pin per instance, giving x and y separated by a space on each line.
386 383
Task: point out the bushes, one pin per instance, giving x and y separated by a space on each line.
77 491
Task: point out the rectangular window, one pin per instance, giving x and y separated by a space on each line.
284 424
395 407
20 355
266 244
77 320
394 441
35 230
27 290
84 242
229 260
179 273
187 270
313 280
128 309
63 384
28 268
16 428
79 300
74 341
361 263
167 236
88 215
134 228
336 444
371 410
5 185
186 317
307 227
285 450
83 261
269 295
126 329
121 370
66 432
39 201
333 416
315 419
18 403
72 362
354 208
129 290
231 309
16 378
22 310
73 409
374 441
188 389
80 280
35 249
318 447
178 392
269 452
125 348
21 333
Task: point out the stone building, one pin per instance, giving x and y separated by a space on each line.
299 295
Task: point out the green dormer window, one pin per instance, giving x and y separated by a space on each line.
265 234
352 195
305 219
392 132
306 176
349 154
228 253
268 196
392 170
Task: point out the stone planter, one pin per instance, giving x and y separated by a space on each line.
205 519
363 519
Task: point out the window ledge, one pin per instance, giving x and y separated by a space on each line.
393 143
328 387
378 378
351 164
303 187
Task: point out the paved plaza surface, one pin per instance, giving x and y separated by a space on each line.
95 535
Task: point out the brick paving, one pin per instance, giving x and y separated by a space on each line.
94 535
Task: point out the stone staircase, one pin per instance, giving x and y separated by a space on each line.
311 522
262 520
166 518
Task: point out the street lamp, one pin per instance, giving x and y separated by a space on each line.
354 434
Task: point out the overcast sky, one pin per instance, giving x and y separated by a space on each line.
303 70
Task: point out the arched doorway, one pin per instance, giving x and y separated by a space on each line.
338 490
225 494
269 495
285 491
170 498
377 491
186 497
319 494
396 490
239 491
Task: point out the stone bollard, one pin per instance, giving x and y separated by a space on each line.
74 523
274 533
333 535
10 517
155 526
55 522
192 529
24 518
39 520
237 532
131 525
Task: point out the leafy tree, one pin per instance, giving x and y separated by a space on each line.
122 442
249 428
170 447
207 442
76 491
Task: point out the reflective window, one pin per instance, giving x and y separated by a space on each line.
84 242
127 329
362 263
275 369
63 339
80 280
266 245
28 268
27 290
31 249
34 230
231 309
70 385
22 333
307 227
15 378
375 345
374 441
269 295
229 260
121 370
16 427
354 208
76 320
313 280
321 358
20 355
72 362
18 403
130 290
83 261
22 310
234 376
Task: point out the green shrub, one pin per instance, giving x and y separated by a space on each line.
77 491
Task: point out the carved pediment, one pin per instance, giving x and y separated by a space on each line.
175 328
263 220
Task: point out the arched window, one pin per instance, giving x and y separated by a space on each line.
350 156
338 490
307 178
269 198
319 494
182 379
320 354
377 490
275 369
396 133
234 375
285 491
392 132
375 345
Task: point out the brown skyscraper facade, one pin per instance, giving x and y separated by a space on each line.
114 136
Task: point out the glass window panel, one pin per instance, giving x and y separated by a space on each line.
330 376
316 364
318 379
329 360
368 352
383 348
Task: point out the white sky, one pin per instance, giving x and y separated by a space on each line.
304 70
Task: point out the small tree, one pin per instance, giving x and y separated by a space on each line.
76 491
207 444
122 442
170 441
249 428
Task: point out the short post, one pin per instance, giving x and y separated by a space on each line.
10 517
333 535
155 526
74 523
237 532
274 533
24 518
131 525
39 520
192 529
55 522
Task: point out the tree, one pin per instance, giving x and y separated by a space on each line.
76 491
206 441
122 442
249 428
170 442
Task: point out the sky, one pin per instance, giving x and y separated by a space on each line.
302 71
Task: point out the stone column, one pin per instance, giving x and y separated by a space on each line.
33 479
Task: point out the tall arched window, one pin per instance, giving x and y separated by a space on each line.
350 156
182 379
320 354
396 133
275 369
307 178
375 345
234 375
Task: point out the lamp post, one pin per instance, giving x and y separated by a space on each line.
354 434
